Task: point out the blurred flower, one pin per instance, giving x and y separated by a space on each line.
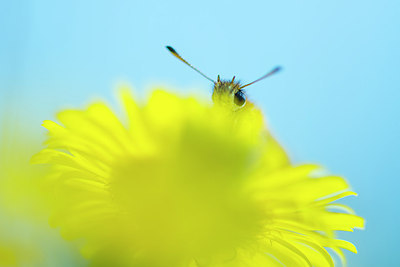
180 182
25 237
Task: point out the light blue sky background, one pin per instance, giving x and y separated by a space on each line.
335 103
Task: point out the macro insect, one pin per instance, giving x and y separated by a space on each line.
226 92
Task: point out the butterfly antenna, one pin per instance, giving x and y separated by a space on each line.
173 52
275 70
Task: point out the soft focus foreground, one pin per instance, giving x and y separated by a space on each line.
25 237
18 201
179 182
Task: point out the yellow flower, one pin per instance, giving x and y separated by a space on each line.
179 182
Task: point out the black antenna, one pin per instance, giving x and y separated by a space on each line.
275 70
173 52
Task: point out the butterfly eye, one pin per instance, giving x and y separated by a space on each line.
239 98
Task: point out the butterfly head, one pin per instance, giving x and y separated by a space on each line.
228 93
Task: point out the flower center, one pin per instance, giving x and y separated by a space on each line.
183 208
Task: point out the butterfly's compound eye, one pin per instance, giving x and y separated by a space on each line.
239 98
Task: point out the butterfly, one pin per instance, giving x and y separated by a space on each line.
227 92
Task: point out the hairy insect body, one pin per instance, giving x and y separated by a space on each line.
228 93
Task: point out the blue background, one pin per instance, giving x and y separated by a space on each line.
335 103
